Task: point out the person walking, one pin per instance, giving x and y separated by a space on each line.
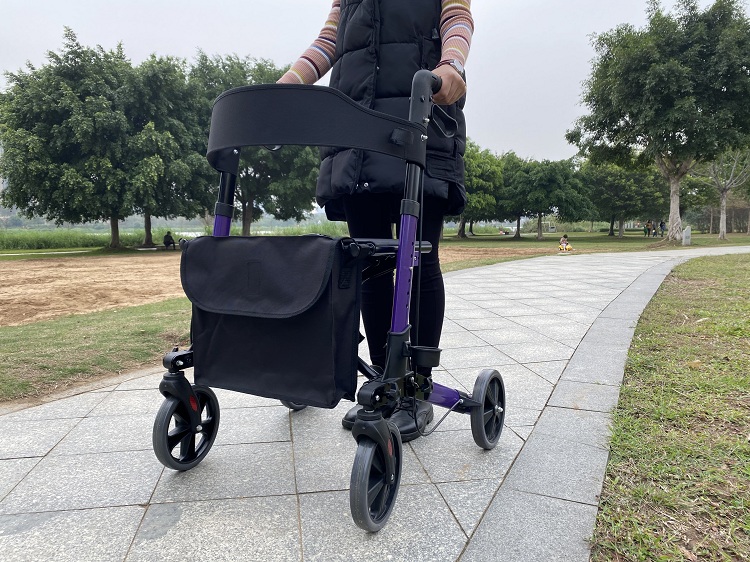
373 49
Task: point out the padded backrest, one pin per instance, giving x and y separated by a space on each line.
283 114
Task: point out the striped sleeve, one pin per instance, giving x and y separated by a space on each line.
456 29
319 57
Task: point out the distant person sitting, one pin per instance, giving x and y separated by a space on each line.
564 244
169 241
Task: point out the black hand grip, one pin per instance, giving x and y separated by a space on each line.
437 83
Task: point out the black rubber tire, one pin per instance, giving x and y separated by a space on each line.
371 498
293 405
172 430
487 418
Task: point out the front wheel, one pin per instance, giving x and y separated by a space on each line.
487 418
372 494
175 443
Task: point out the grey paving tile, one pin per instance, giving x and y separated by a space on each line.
548 370
559 468
457 340
12 471
524 388
232 471
263 424
514 309
85 481
594 365
313 423
469 500
32 438
536 351
475 357
523 431
245 530
553 326
510 333
453 456
91 535
585 396
108 434
420 529
324 464
472 311
129 402
516 417
581 426
73 407
521 527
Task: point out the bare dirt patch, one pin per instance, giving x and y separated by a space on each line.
40 289
32 290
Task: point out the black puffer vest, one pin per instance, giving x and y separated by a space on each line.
380 45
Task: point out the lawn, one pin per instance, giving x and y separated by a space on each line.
677 485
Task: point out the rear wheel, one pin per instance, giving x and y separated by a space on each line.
372 494
175 443
293 405
487 418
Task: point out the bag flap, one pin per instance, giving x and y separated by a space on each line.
262 276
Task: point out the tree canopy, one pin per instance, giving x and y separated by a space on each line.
89 137
278 182
674 93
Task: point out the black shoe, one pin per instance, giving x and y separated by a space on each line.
350 417
404 418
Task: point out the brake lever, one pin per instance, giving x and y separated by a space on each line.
446 124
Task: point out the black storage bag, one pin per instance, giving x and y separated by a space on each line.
274 316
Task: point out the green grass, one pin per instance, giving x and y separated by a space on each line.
41 357
677 485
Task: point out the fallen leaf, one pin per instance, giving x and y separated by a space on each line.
701 320
694 364
689 555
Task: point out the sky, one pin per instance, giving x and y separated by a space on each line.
525 71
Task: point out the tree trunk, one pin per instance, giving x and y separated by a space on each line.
539 235
673 172
675 222
611 226
148 240
114 229
723 215
247 218
471 228
518 228
711 220
462 227
621 228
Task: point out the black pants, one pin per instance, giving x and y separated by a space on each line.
373 215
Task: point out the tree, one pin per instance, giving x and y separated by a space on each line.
281 182
484 176
88 137
64 131
554 187
170 176
729 171
512 199
675 92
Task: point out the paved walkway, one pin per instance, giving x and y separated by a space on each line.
79 480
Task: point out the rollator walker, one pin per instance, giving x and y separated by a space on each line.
278 316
